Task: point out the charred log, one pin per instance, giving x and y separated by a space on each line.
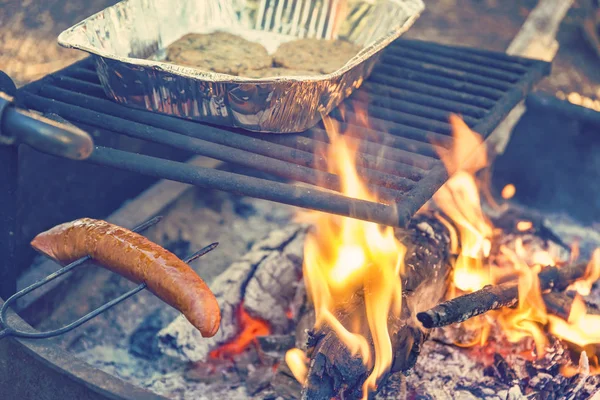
276 343
284 384
560 304
333 371
493 297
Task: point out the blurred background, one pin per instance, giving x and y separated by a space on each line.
29 28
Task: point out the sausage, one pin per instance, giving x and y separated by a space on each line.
137 259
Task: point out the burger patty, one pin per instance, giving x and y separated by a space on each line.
219 52
227 53
324 56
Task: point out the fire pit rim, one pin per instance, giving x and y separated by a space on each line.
75 369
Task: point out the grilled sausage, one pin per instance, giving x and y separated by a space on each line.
139 260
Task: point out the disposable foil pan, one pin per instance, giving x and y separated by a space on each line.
128 41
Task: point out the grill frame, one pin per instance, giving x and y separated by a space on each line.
408 97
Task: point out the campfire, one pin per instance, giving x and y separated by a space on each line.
340 308
404 273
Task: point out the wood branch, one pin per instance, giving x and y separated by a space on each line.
333 371
536 39
493 297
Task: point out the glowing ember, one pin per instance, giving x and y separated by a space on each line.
353 267
509 191
460 202
524 226
250 328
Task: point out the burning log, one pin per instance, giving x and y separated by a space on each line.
334 372
493 297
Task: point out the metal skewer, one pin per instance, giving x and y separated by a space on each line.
9 331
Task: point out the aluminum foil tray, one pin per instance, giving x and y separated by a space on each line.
128 40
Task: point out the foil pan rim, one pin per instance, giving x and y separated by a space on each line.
65 39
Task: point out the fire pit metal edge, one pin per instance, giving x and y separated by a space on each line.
64 375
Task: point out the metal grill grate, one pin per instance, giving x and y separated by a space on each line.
409 97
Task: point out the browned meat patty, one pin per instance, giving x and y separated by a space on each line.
324 56
219 52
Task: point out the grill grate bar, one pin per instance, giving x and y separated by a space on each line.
408 98
260 188
487 60
231 138
492 74
403 118
84 74
446 93
391 72
482 84
388 186
316 137
397 129
404 107
407 151
373 90
95 90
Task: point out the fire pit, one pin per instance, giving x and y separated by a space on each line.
466 296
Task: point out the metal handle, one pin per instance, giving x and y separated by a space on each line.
41 133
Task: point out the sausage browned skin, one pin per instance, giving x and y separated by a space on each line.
138 259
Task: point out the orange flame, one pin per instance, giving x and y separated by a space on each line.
508 191
581 328
524 226
459 199
353 267
530 315
250 328
592 274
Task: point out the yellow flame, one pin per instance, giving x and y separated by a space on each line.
528 318
297 362
592 274
524 226
354 268
460 202
581 328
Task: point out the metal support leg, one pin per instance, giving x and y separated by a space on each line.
9 267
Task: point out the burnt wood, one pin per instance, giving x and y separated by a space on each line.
334 372
493 297
560 303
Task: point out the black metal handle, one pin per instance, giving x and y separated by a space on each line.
41 133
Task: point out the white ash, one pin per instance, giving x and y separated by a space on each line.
273 287
441 368
442 371
260 280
